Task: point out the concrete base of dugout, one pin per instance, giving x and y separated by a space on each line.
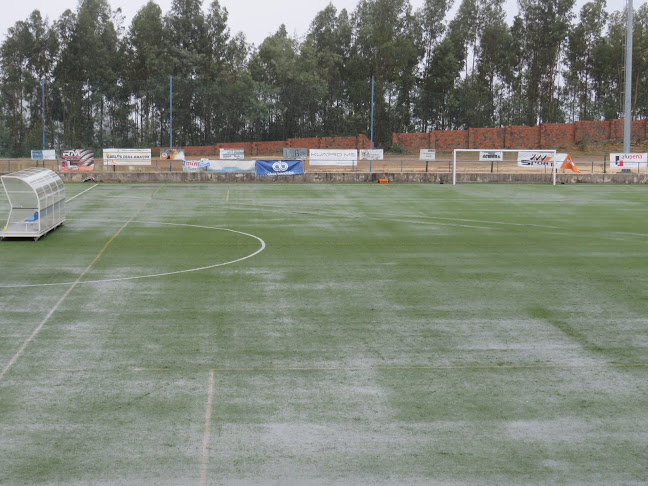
351 177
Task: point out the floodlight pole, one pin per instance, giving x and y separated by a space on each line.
170 122
43 112
373 86
627 116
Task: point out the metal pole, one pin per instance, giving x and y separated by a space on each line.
627 116
43 112
373 84
170 122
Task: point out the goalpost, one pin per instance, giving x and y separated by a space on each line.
540 153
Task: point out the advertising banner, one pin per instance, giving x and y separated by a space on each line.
628 161
195 165
77 159
333 156
43 154
127 156
295 153
279 167
172 154
427 154
231 166
490 155
372 154
537 158
232 154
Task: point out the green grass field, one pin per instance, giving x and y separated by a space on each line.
328 334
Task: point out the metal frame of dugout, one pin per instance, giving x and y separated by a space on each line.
37 201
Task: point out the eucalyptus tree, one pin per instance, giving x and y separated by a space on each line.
388 46
90 70
545 24
26 59
148 73
582 41
640 63
274 66
325 54
188 52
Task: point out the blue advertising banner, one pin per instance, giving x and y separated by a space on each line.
279 167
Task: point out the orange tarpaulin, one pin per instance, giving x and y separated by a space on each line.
567 162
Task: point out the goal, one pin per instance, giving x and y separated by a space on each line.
530 156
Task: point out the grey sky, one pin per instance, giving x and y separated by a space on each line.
256 18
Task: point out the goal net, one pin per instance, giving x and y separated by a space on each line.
489 160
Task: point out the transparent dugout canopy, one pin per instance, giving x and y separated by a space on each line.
37 202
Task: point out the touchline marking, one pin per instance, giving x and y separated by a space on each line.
205 452
67 292
177 272
81 193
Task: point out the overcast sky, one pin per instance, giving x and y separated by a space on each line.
255 18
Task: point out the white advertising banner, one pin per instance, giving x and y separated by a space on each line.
127 156
372 154
491 155
231 166
628 161
333 156
232 154
427 154
536 158
43 154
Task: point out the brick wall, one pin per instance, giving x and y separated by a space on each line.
548 136
254 149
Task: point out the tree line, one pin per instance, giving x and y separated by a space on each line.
107 84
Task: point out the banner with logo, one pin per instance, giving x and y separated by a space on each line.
427 154
230 154
333 156
628 161
195 165
172 154
77 159
127 156
43 154
295 153
537 158
279 167
490 155
372 154
231 166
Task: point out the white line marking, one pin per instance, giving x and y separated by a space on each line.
60 301
210 399
631 234
165 274
81 193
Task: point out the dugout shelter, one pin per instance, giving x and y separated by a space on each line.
37 203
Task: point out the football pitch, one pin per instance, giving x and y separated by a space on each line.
328 334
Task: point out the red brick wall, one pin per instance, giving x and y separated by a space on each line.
549 136
557 134
591 131
253 149
487 138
